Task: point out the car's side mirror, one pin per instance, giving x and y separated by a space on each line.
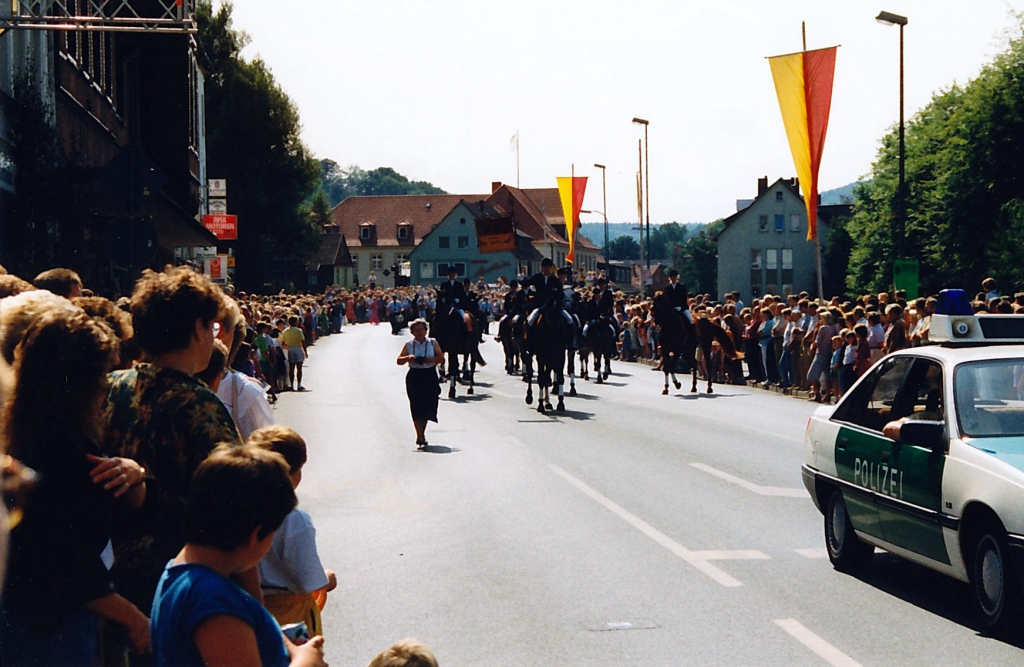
924 433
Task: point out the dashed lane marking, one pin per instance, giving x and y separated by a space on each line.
825 651
813 553
777 491
698 559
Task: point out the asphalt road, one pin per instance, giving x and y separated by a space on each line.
634 529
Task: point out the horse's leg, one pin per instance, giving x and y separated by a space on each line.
675 362
664 368
560 381
572 378
693 370
527 378
453 373
472 374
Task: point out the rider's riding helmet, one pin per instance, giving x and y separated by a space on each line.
546 263
672 273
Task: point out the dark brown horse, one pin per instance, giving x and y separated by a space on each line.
680 340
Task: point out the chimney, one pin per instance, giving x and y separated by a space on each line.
762 186
795 182
494 186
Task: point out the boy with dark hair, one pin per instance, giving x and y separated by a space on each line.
295 583
237 500
62 282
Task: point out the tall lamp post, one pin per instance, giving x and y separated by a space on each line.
647 188
888 18
604 207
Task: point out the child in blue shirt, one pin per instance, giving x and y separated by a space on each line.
237 499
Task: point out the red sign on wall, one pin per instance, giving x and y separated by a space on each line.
224 227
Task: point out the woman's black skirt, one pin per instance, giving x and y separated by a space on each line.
423 389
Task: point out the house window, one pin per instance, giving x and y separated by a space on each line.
444 242
426 271
355 262
794 223
787 258
762 223
780 223
463 242
376 261
401 258
778 196
403 232
755 260
311 278
364 233
460 268
462 221
771 259
787 271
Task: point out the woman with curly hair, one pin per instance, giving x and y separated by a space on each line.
58 579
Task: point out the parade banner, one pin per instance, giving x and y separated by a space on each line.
570 191
803 83
495 233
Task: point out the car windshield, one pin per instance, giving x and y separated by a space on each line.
990 398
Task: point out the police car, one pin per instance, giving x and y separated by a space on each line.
924 458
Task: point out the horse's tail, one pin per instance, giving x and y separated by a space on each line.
708 328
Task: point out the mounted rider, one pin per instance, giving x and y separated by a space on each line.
473 305
677 296
601 306
451 294
547 293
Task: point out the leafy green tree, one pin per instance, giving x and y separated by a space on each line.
697 260
624 247
964 154
254 142
665 237
341 183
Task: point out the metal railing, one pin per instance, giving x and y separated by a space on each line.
146 16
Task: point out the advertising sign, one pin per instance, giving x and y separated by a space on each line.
219 206
218 187
905 276
495 234
216 268
224 227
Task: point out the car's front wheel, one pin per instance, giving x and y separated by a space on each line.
847 552
992 581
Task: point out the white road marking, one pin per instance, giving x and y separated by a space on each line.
826 651
698 559
813 553
778 491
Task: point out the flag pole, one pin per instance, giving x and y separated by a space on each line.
570 227
517 159
817 239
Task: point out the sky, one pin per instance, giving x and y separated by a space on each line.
436 90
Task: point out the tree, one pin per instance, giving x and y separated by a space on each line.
964 154
624 247
340 183
254 142
665 237
697 260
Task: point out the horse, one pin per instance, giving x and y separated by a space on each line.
455 338
680 340
546 342
599 342
509 335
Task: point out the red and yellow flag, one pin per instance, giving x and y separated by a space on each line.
570 191
803 82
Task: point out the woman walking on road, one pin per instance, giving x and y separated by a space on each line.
422 354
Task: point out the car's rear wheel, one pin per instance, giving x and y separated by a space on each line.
992 581
847 552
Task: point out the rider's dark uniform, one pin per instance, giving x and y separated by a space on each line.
452 294
679 299
547 292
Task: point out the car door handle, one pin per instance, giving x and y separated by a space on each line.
885 457
842 443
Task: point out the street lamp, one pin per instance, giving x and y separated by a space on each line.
888 18
604 207
647 186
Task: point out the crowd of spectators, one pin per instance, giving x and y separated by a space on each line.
150 513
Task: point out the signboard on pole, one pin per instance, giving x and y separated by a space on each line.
216 268
905 276
219 206
218 187
224 227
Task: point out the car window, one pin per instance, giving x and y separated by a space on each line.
990 398
873 403
922 396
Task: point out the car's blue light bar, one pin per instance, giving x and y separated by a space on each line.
954 302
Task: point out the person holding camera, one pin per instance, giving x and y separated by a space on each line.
421 383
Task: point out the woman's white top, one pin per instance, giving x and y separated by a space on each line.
418 349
